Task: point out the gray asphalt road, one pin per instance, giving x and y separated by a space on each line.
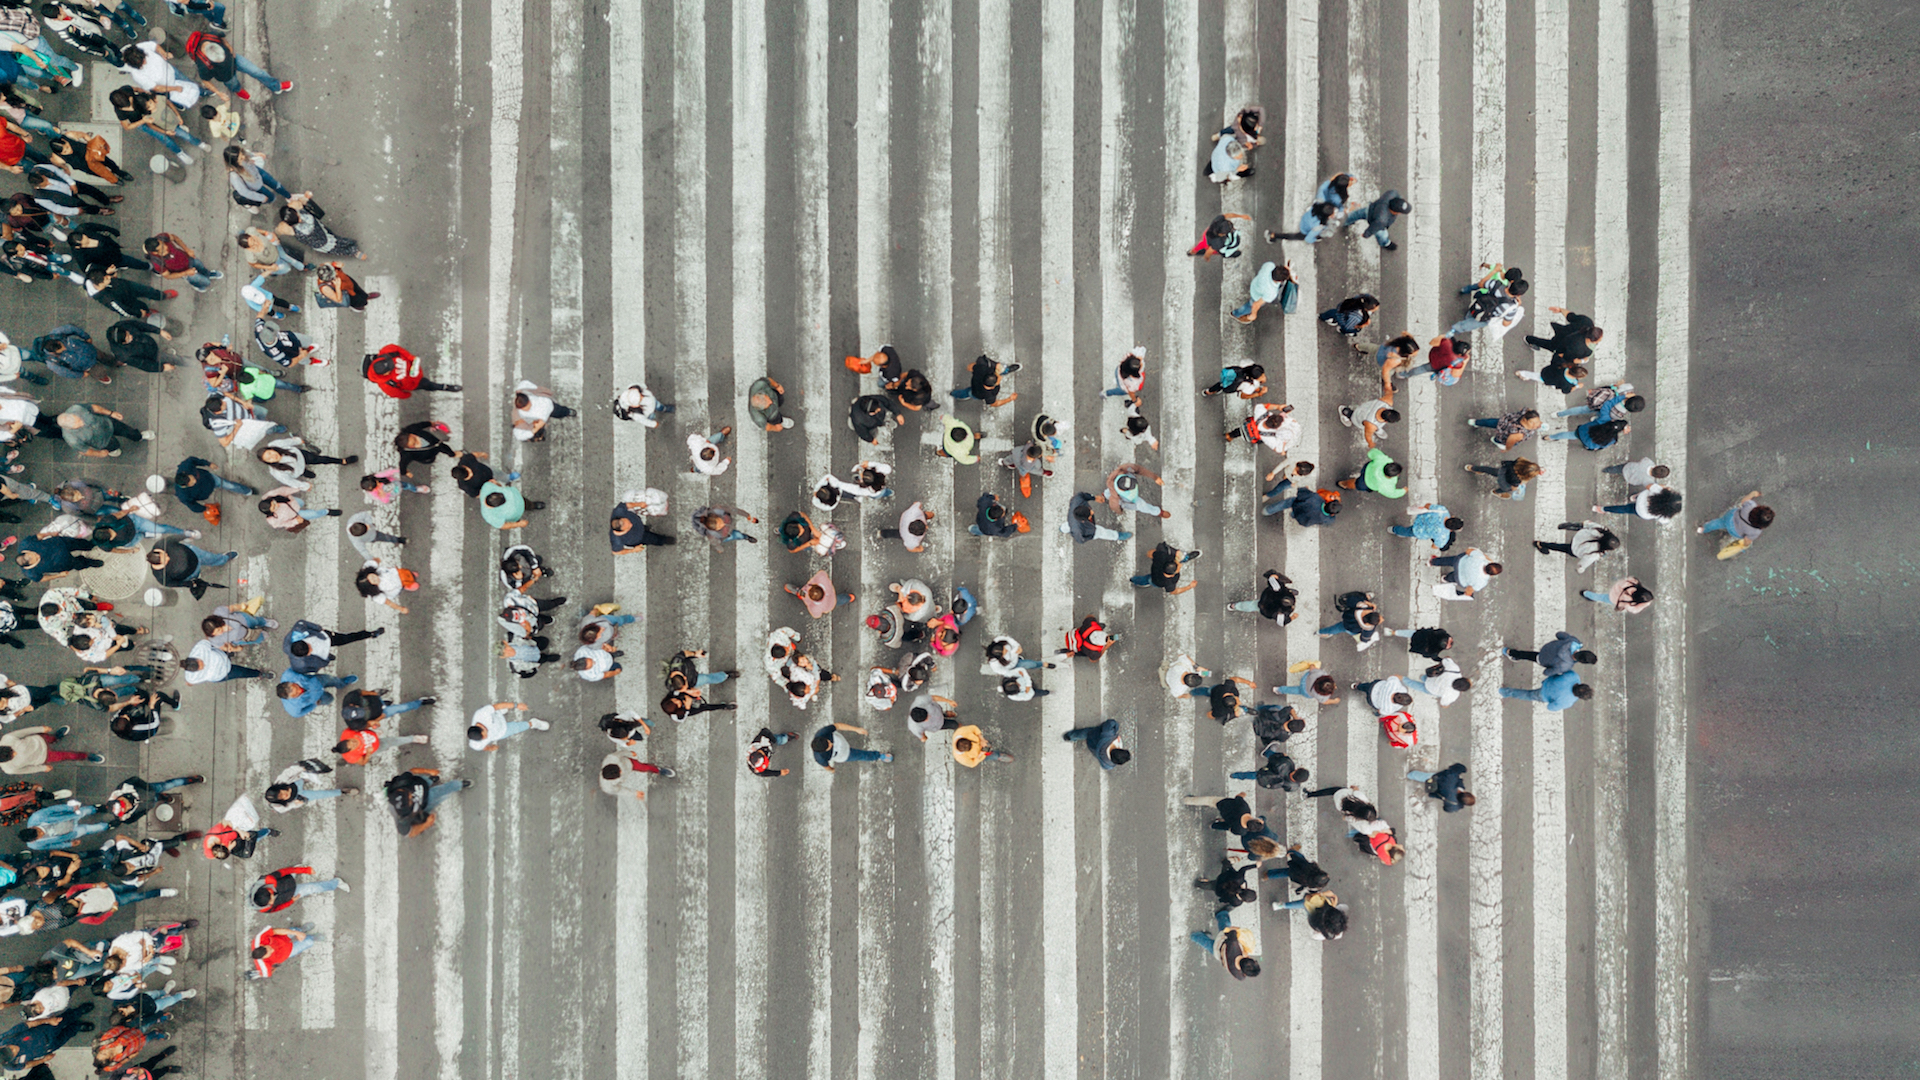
696 194
1807 970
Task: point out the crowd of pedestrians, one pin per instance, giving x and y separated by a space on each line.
80 863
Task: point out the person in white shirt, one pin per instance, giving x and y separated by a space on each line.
1444 681
1387 696
1183 677
594 662
930 713
912 531
1004 657
705 451
533 407
209 663
494 724
783 647
636 402
1642 473
146 64
882 688
1019 686
621 772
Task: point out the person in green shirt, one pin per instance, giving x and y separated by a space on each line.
503 507
1379 475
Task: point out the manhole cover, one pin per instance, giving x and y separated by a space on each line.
125 573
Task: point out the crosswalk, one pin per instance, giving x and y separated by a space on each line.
696 193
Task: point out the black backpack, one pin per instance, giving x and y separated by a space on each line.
407 798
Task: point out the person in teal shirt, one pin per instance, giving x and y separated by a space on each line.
1379 475
503 507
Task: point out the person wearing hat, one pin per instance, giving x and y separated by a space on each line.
1380 214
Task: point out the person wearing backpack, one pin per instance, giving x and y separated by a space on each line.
1448 785
219 65
412 796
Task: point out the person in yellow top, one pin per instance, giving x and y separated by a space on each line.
970 747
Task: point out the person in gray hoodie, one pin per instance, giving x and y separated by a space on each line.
1380 215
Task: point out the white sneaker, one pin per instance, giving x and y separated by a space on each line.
1346 416
148 436
538 725
63 793
184 159
186 993
1139 351
193 534
164 893
1279 906
168 989
343 887
419 740
80 75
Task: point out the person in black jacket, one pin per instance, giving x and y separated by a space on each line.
194 481
1427 641
1229 885
1447 785
990 518
1277 599
1303 873
1276 770
1572 340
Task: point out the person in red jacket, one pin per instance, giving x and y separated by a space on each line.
278 890
272 948
356 745
397 373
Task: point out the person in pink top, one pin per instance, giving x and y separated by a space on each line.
386 485
819 594
1627 596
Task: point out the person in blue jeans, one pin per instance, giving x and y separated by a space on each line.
214 13
1103 742
1594 434
830 746
301 693
1230 948
1556 692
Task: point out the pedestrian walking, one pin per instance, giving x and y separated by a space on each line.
1229 886
1608 402
504 507
309 646
1556 692
297 786
1028 462
1380 475
1081 525
911 530
219 64
1222 237
1510 429
1164 564
1233 947
1446 360
274 947
636 402
1246 381
1627 596
1090 639
96 431
1469 572
1433 523
1103 742
290 460
627 529
766 397
760 752
830 747
1315 684
1265 287
412 796
1557 656
533 408
252 185
1371 418
1562 377
420 443
399 374
1309 506
1640 473
1587 544
1595 434
1360 619
1351 315
705 454
301 218
715 523
1302 873
1510 477
1380 215
819 594
1130 375
1276 601
385 582
494 724
276 891
169 257
985 384
1572 341
970 748
1742 524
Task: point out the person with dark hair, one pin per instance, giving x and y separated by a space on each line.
1587 544
1309 506
985 383
1607 402
1595 434
1639 473
1446 360
412 795
1511 429
1447 785
397 373
1163 570
1427 641
992 519
1433 523
1562 377
1222 236
1494 297
1277 771
1233 947
760 752
1301 872
1556 692
1229 886
1360 619
219 65
1626 596
309 646
1276 601
1315 223
1027 462
1130 375
1380 475
1103 742
1351 314
830 746
277 890
1510 476
1572 340
1470 572
1380 215
195 480
273 947
1557 656
1323 688
1743 522
1371 418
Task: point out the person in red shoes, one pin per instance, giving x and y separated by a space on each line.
397 373
278 890
1090 639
